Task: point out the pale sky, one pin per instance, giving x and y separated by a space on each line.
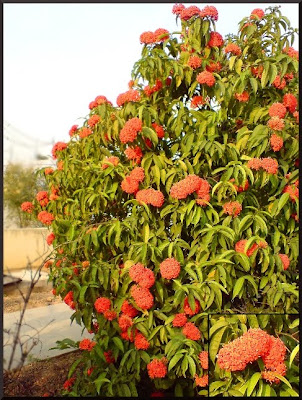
59 57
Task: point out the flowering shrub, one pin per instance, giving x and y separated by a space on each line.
153 196
254 355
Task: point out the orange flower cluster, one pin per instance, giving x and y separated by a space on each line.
187 13
157 368
142 275
130 130
206 78
42 198
159 130
185 187
268 164
45 217
99 100
240 188
216 40
68 384
191 331
85 264
86 344
68 299
73 130
276 142
85 132
60 146
128 309
278 83
150 90
290 102
239 247
194 62
142 297
177 8
277 110
170 268
210 12
258 12
125 322
274 360
197 101
202 381
158 36
242 97
48 171
296 115
214 66
140 342
50 238
187 308
60 165
27 206
232 48
204 359
130 95
257 71
291 52
150 196
179 320
109 357
129 185
285 261
137 174
232 208
293 191
276 124
93 120
134 153
102 304
113 160
110 315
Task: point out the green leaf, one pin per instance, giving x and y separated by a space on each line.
174 360
283 380
231 62
192 366
215 343
293 355
119 344
282 201
254 84
238 286
253 382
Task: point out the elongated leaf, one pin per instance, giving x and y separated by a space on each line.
253 382
293 354
215 343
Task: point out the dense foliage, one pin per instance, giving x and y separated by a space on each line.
180 201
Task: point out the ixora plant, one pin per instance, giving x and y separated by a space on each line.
180 201
259 356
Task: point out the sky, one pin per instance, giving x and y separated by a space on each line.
59 57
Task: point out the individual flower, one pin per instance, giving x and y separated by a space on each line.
129 185
187 308
278 83
150 196
130 130
194 62
102 304
50 238
257 12
27 206
179 320
73 130
285 261
191 331
129 96
142 297
86 344
93 120
290 102
232 48
134 153
277 110
45 217
48 171
276 142
204 359
157 369
85 132
242 97
125 322
206 78
232 208
202 381
128 309
276 124
210 12
113 160
170 268
159 130
140 342
216 40
60 146
188 13
197 101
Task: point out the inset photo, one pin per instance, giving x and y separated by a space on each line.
254 355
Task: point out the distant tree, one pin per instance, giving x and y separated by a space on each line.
20 183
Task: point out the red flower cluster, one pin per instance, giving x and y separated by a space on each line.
291 52
48 171
216 40
232 208
45 217
142 297
128 309
93 120
257 71
204 359
142 275
102 304
214 66
60 146
131 183
276 142
240 188
194 62
290 102
185 187
157 368
150 90
258 12
140 342
159 130
42 198
206 78
278 83
293 191
137 174
27 206
242 97
210 12
197 101
274 360
60 165
99 100
130 130
202 381
187 308
134 153
179 320
160 35
68 384
130 95
85 132
177 8
109 357
191 331
296 115
113 160
285 261
125 322
86 344
110 315
187 13
150 196
170 268
232 48
268 164
276 124
68 299
277 110
50 238
239 247
73 130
